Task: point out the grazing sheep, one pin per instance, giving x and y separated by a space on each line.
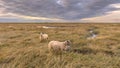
43 36
59 46
11 27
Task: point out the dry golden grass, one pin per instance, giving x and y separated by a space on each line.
20 46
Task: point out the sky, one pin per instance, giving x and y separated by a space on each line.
59 10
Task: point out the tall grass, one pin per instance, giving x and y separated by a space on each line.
20 46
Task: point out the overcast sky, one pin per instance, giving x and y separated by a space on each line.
59 10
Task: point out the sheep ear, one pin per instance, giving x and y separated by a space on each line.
67 42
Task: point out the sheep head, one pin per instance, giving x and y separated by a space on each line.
67 43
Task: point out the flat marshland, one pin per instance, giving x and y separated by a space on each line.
20 46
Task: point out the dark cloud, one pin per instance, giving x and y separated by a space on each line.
65 9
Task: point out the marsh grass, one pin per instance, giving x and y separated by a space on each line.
21 47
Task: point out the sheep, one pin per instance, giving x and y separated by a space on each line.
59 46
43 36
11 27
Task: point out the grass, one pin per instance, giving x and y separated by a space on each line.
20 46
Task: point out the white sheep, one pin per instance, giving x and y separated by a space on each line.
43 36
59 46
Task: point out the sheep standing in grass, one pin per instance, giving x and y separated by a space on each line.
59 46
43 36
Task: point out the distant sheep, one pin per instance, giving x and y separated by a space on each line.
10 26
43 36
59 46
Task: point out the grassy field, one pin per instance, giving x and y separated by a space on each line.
20 46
